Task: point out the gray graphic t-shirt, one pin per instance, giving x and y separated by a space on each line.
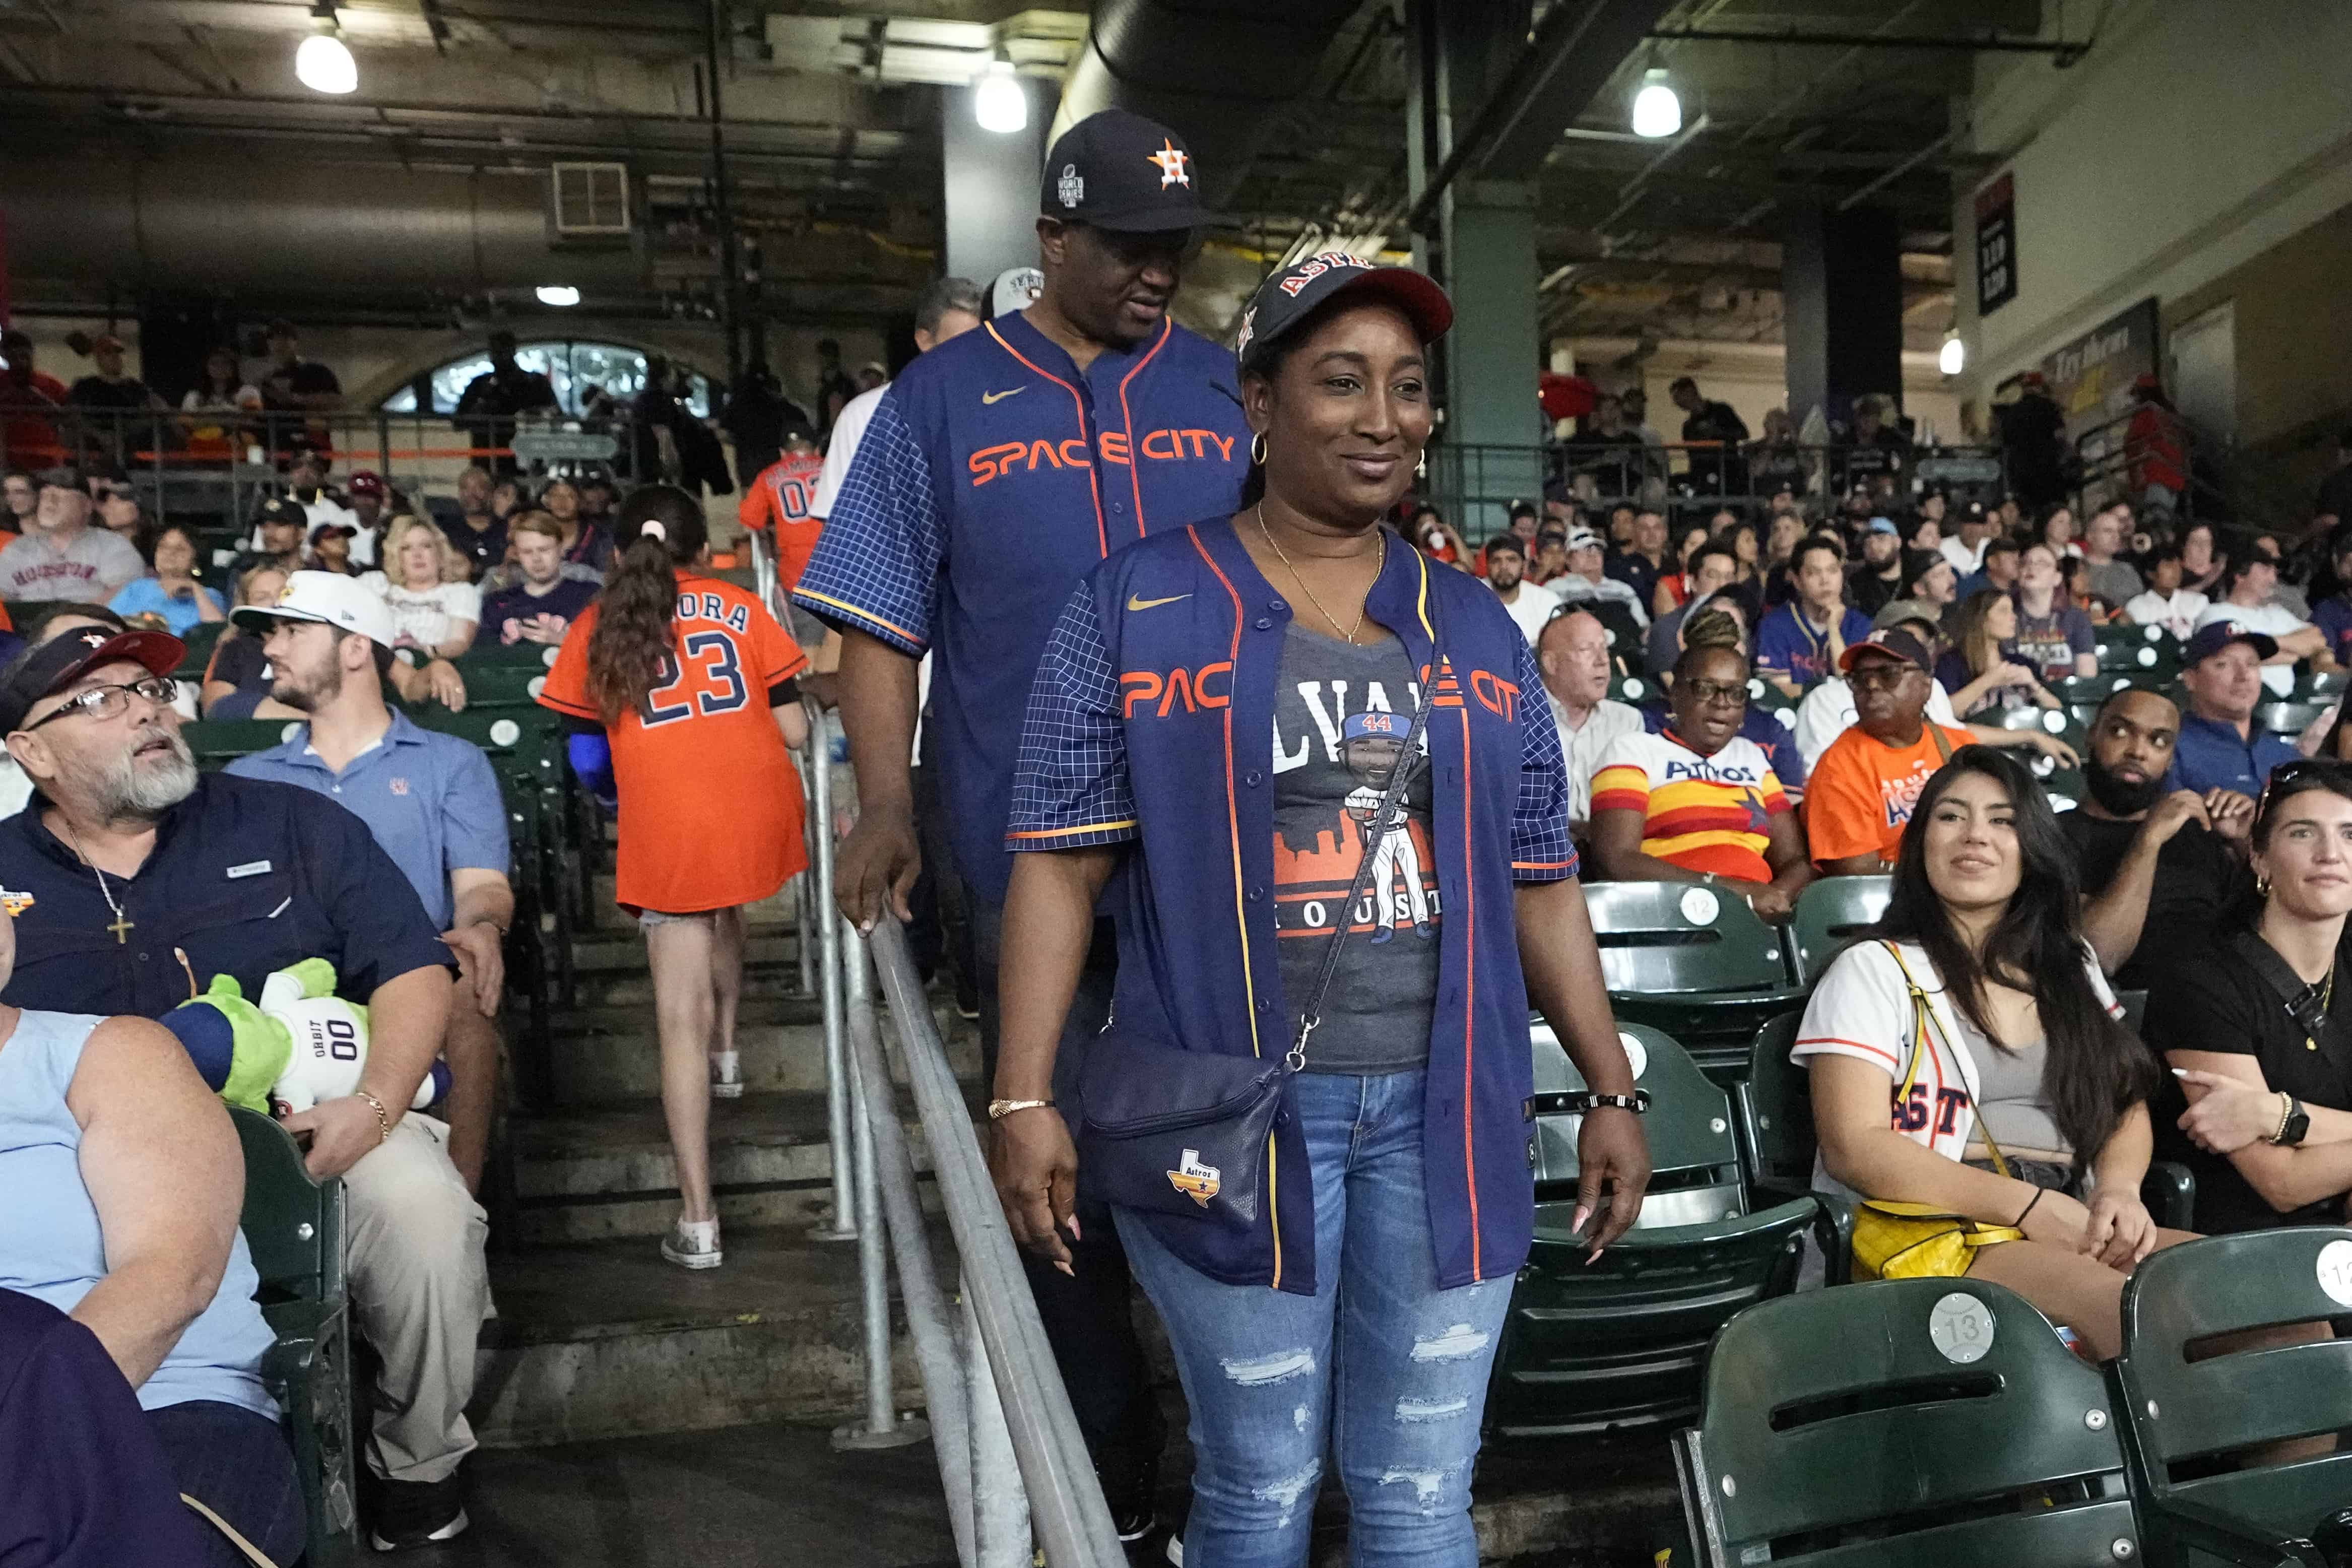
1341 717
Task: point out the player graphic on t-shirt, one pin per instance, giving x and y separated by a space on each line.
1370 744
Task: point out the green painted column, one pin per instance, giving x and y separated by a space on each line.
1493 426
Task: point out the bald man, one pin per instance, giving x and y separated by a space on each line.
1572 651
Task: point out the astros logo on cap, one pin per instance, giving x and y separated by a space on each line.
1171 160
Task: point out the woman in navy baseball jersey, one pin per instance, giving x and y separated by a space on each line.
1218 714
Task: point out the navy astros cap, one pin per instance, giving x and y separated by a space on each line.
2211 639
52 666
1118 171
1289 297
282 510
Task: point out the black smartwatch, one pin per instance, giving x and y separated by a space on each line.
2298 1125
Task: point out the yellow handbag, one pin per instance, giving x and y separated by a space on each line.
1894 1240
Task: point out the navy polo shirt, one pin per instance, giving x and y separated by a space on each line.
2210 755
246 876
993 476
430 799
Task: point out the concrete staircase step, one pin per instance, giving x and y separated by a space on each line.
621 988
610 917
602 1172
606 1340
603 1055
767 941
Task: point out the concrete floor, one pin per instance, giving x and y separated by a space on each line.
747 1495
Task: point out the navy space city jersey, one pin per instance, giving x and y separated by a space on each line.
1151 724
993 476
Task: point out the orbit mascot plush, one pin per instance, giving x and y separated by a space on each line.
301 1045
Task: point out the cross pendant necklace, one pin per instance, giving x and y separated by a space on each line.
123 924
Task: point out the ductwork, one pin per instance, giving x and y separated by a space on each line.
218 225
1215 71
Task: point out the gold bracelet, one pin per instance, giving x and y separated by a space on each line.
383 1117
2286 1113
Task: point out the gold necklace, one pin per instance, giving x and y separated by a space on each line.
2326 1002
1347 634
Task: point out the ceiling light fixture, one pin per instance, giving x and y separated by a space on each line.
998 100
324 63
560 294
1953 356
1658 112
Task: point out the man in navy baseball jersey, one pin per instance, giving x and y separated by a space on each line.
998 470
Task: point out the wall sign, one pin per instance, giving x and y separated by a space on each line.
1996 245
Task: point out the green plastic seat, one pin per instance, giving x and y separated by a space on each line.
2321 685
2133 654
501 685
216 742
536 655
199 640
1904 1424
1634 689
1831 913
1695 961
1618 1344
294 1228
2091 688
2179 1412
2287 718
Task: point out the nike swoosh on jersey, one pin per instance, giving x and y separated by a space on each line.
1135 604
992 397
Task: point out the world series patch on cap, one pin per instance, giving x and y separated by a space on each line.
1117 169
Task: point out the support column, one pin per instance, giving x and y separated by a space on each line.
1842 288
991 185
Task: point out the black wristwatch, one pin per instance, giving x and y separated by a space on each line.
2297 1126
1576 1102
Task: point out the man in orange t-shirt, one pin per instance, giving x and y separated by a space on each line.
1860 792
779 502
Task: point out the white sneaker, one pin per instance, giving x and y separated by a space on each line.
693 1244
726 1075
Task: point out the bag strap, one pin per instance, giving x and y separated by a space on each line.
252 1554
2292 993
1923 1020
1310 1016
1943 751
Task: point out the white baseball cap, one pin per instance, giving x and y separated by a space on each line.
328 596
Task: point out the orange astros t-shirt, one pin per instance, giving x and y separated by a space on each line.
778 502
710 804
1862 791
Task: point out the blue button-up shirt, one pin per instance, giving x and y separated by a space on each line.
430 799
993 475
2209 754
246 876
1151 724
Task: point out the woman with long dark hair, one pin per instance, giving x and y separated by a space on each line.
1231 715
1981 1015
676 683
1981 668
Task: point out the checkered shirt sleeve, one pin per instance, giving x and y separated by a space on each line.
876 564
1070 784
1540 849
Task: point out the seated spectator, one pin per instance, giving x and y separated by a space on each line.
1972 533
586 542
1982 986
1551 558
2056 528
541 607
306 483
1430 531
1712 569
1828 709
113 1142
1864 788
2333 615
2249 583
1923 534
430 800
171 600
1801 642
1675 587
2074 588
89 1485
330 550
475 533
2220 748
2112 580
1587 582
2258 1027
21 498
1981 668
1528 605
63 557
1722 623
1696 803
1876 580
118 510
129 842
2157 864
1572 651
280 525
238 676
1930 580
2166 603
1642 561
424 581
1999 571
2054 635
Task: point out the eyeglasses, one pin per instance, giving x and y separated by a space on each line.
110 701
1707 693
1877 676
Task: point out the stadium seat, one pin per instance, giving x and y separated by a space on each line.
2287 718
1619 1343
294 1228
1831 912
216 742
536 655
1891 1425
2185 1420
199 640
499 684
1633 690
2091 688
1627 640
2135 654
2131 634
1695 962
1775 1107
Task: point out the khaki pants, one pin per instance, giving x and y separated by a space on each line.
419 1291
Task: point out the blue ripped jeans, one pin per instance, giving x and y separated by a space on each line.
1387 1366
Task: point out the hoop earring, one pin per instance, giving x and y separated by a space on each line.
1257 449
2262 887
